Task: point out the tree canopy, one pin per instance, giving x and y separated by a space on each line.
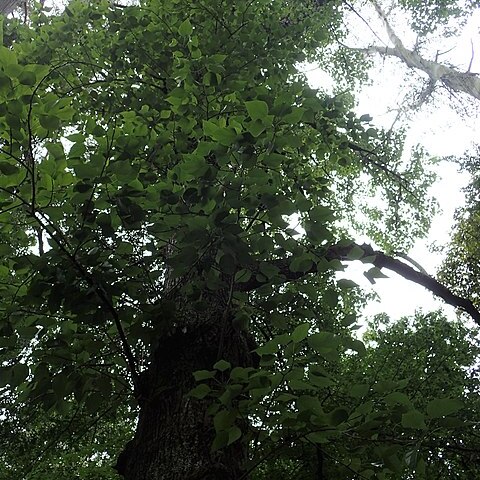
175 204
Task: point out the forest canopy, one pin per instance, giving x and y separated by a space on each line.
176 202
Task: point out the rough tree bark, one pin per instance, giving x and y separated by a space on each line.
8 6
174 433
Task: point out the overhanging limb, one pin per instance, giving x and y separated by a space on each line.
378 259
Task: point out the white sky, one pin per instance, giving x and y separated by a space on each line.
437 127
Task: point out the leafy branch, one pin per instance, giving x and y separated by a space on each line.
380 260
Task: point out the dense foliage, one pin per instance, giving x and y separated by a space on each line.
154 161
460 268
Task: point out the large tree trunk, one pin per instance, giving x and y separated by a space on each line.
174 433
8 6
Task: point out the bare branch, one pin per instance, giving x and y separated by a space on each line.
391 33
471 57
350 7
451 78
454 80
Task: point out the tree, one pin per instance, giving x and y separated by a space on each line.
430 362
8 6
79 442
151 156
418 384
460 267
429 22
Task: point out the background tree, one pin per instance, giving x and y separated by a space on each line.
8 6
414 374
421 37
460 267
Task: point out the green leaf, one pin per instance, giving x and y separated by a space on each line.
55 150
225 136
222 365
194 166
330 297
7 56
346 283
358 390
59 384
300 332
318 437
241 320
5 85
220 440
268 348
384 386
373 274
268 269
321 214
414 419
317 232
234 433
441 407
5 376
300 385
209 128
295 116
227 264
27 78
8 169
323 342
356 345
49 122
223 420
20 372
255 127
257 109
366 118
15 107
397 398
200 375
185 29
320 381
200 391
300 263
92 402
355 253
243 276
338 416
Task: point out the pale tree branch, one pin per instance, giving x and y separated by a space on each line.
471 57
451 78
394 38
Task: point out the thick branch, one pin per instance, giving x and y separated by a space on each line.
465 82
379 260
8 6
451 78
